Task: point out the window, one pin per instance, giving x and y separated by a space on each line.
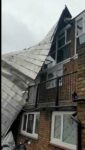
63 51
64 130
30 123
80 30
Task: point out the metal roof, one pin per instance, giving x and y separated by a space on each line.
29 61
19 69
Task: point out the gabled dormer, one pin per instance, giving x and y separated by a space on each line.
62 43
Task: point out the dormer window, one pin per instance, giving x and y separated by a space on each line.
80 30
63 51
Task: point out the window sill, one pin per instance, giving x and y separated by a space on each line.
59 146
57 65
68 59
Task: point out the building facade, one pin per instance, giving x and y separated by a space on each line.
53 117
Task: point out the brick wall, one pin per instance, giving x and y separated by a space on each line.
81 93
81 73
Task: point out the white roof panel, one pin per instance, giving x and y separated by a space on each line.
19 69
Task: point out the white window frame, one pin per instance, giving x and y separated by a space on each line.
25 133
65 32
81 16
56 141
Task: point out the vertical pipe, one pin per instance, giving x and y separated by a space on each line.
57 93
79 137
36 101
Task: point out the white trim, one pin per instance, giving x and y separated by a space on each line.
25 133
60 141
61 126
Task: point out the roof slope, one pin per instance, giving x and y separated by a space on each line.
29 61
18 71
13 98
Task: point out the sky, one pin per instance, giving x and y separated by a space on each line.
26 22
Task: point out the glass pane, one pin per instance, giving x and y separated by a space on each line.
63 53
61 42
68 37
57 127
37 123
80 41
24 122
66 52
62 34
79 26
84 24
30 123
59 55
69 130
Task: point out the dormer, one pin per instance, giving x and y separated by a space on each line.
63 43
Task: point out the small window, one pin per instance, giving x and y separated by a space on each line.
64 130
30 124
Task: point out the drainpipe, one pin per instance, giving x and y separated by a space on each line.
79 131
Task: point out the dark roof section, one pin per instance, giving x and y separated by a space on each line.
60 24
65 14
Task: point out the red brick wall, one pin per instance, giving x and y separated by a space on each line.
81 73
81 92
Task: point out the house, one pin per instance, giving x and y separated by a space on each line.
53 116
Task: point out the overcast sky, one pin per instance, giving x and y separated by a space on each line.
26 22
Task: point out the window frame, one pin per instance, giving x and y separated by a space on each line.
81 16
24 132
66 43
56 141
